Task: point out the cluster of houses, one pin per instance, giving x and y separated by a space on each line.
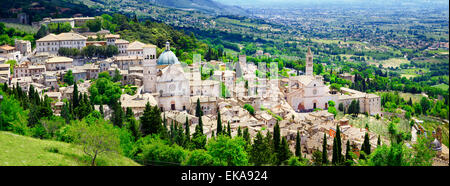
176 87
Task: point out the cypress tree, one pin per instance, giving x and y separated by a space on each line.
367 144
65 113
75 99
365 147
229 130
334 157
150 120
5 88
324 150
187 129
219 124
348 157
172 133
284 153
129 113
339 145
118 115
298 148
276 137
378 141
239 132
246 135
259 153
198 109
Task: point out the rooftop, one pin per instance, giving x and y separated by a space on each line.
59 59
62 37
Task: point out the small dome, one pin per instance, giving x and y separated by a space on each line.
167 57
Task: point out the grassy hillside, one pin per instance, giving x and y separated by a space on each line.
19 150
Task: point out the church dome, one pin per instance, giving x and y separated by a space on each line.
167 57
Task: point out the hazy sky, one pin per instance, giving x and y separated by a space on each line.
262 3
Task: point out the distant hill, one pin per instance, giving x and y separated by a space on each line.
38 9
205 6
209 6
17 150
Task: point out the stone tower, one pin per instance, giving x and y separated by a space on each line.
149 67
309 63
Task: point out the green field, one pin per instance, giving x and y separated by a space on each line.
442 86
392 62
17 150
26 28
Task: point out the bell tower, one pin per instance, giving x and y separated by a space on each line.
309 63
149 67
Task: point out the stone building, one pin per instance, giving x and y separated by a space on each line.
58 63
172 86
306 93
26 69
51 43
369 103
23 46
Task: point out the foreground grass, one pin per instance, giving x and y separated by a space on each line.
16 150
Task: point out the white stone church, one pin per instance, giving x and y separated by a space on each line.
167 81
308 92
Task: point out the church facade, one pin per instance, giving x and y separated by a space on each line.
165 79
308 92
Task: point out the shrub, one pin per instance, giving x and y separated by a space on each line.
52 149
249 108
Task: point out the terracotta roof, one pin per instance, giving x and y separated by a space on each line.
136 45
7 47
62 37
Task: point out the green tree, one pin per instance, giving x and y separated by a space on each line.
365 148
227 152
199 157
219 124
229 130
425 105
334 157
259 152
95 139
65 113
324 150
94 25
42 32
341 107
150 120
249 108
276 137
348 156
284 153
298 148
68 77
198 138
246 135
75 100
339 157
117 77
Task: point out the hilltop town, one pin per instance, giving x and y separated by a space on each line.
247 96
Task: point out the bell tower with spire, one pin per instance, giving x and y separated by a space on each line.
309 63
